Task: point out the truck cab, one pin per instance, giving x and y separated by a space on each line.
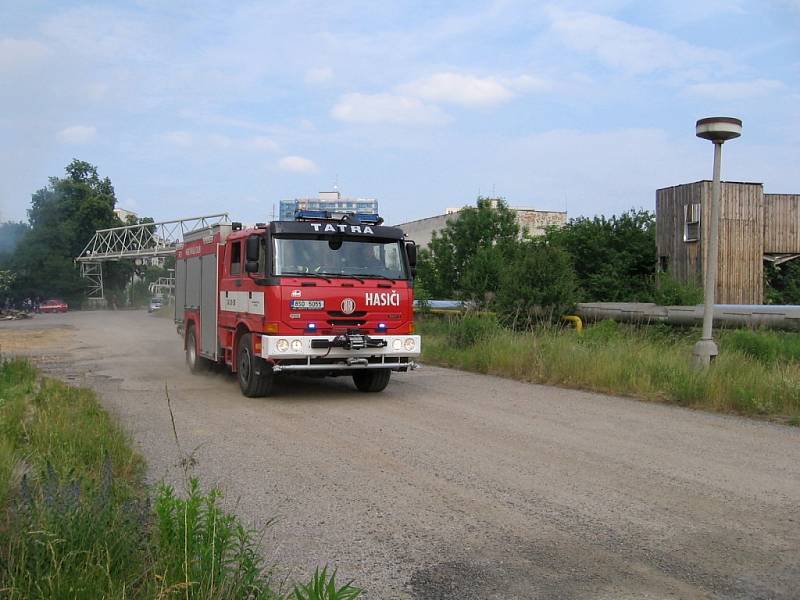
326 294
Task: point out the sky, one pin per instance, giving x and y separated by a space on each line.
196 107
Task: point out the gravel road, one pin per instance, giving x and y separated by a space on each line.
451 485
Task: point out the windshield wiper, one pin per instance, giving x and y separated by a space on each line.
299 274
380 277
350 276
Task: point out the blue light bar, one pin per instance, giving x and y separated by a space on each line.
327 215
369 218
301 215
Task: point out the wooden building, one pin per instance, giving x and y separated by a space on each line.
754 227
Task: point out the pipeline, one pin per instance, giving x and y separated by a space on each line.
770 316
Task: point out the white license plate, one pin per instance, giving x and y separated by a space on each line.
307 304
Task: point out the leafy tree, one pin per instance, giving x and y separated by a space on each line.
6 281
63 217
10 234
443 267
537 285
782 283
614 258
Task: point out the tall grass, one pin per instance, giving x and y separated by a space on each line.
77 521
758 377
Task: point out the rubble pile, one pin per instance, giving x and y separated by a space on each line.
10 314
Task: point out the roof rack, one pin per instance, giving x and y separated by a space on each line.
328 215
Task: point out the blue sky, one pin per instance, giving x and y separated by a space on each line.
200 107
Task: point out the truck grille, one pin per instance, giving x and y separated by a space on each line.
353 315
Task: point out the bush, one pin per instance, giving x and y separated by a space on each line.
470 329
765 346
537 286
671 292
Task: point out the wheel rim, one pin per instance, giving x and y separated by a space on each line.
192 350
244 364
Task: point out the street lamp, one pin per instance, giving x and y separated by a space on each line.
719 130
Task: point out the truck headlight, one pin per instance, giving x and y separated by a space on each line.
297 345
409 344
397 344
282 345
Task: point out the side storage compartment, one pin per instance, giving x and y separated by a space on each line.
208 305
180 289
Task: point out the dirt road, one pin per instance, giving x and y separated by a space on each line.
453 485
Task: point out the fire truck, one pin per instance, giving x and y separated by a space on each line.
325 294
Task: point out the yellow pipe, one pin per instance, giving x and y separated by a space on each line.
574 319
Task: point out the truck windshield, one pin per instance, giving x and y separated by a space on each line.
335 256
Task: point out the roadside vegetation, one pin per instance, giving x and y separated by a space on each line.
484 258
756 374
37 256
77 521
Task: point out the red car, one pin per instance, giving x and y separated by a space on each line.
53 305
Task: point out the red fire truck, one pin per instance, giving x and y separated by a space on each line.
326 294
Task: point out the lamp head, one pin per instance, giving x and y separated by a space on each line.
718 129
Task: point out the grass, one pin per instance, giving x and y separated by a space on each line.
77 521
757 373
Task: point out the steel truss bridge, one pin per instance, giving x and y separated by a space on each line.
148 240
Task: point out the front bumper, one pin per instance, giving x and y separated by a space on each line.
325 353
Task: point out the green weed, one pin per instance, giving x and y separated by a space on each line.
322 587
650 362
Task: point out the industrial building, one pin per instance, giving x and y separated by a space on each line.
535 222
754 227
332 201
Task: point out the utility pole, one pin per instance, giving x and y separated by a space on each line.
718 130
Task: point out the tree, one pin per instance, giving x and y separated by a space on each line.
537 285
10 234
614 258
488 231
782 283
63 217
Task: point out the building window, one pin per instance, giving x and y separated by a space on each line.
691 222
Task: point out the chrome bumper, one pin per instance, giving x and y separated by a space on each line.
276 348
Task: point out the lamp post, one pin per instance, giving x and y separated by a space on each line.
718 130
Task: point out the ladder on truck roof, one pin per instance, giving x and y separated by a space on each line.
146 240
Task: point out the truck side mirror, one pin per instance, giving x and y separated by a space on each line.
252 248
411 252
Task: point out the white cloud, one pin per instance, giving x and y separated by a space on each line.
18 54
527 83
76 134
385 108
220 142
319 75
465 90
729 90
182 139
261 143
630 48
297 164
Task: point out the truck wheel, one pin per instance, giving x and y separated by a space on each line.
255 375
372 380
196 362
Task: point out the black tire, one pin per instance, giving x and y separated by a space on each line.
372 380
196 362
254 374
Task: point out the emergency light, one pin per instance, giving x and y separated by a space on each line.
327 215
